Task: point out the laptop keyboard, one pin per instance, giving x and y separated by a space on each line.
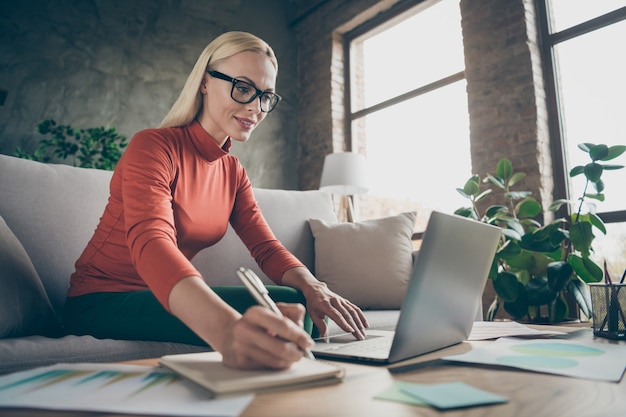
363 347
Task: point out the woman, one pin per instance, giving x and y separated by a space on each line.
172 194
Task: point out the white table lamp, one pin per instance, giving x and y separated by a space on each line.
345 174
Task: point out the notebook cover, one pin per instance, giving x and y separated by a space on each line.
206 369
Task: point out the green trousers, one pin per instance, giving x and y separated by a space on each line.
138 315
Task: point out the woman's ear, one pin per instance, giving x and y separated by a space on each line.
203 88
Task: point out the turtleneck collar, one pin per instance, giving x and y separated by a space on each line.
205 144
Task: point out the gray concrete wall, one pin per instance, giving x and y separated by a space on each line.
122 63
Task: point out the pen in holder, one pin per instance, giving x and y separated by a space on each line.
608 303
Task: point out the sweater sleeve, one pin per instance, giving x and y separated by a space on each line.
147 175
250 225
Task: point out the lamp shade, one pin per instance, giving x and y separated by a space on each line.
344 173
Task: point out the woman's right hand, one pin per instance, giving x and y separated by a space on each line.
258 339
262 339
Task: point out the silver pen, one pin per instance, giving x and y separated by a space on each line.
256 287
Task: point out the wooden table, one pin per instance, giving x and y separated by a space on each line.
530 394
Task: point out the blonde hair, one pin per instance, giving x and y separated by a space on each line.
189 102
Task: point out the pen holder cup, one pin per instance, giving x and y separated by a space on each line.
608 304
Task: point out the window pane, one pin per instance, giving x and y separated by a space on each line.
612 248
418 154
593 88
418 51
568 13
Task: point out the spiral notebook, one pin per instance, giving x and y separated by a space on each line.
206 369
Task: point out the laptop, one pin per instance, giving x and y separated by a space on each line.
442 297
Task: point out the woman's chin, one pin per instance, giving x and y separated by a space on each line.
241 137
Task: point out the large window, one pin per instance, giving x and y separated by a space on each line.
586 66
408 110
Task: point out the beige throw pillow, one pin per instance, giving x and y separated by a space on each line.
368 262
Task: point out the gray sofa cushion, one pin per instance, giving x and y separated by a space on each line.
287 213
53 210
28 352
24 306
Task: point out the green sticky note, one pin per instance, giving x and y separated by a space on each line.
395 393
452 395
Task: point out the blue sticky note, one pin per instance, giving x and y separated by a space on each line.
395 393
452 395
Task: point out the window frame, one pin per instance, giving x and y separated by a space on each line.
557 140
381 22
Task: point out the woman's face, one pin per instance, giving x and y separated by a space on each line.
221 116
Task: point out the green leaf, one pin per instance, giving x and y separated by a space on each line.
462 192
538 242
506 286
586 146
559 274
495 266
512 234
508 250
515 178
593 171
516 226
466 212
541 262
585 268
557 204
518 308
599 186
472 186
612 167
504 169
539 292
517 195
558 310
598 152
528 207
581 237
614 152
599 197
581 294
482 195
521 261
495 181
595 220
493 211
577 170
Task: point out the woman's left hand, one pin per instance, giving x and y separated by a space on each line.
321 302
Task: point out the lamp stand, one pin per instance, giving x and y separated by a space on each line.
350 216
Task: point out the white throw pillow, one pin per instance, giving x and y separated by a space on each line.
368 262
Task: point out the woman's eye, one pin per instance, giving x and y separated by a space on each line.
243 89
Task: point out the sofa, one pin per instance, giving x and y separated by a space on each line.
48 212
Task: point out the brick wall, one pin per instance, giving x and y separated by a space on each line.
508 116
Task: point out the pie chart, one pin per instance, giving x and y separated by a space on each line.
548 355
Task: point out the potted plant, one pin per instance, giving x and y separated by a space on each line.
96 147
537 265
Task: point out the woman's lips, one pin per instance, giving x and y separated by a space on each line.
246 124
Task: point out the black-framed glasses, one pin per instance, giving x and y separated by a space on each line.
244 93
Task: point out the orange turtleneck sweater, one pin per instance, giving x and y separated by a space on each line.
173 193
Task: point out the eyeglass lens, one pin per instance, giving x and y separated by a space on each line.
244 93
